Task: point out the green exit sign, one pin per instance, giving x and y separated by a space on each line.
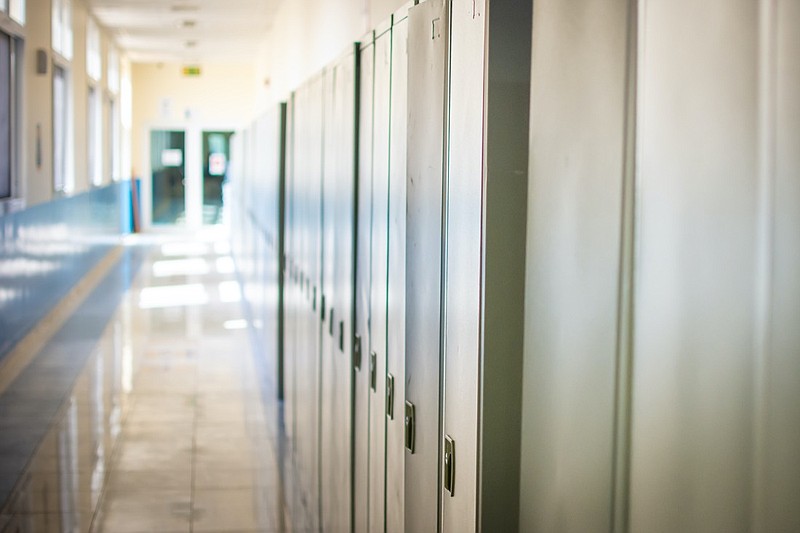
191 71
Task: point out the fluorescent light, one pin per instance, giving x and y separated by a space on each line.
238 323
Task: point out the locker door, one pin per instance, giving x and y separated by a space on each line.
379 252
427 49
572 287
308 393
396 301
462 278
346 102
334 413
361 384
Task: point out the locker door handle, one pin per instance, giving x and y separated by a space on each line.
373 363
449 465
330 324
322 308
357 352
410 422
390 396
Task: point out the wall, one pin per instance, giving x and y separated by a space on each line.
222 95
37 182
306 35
37 186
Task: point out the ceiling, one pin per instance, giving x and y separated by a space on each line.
186 30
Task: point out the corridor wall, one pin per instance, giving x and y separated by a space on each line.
47 249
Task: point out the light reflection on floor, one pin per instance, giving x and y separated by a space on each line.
166 429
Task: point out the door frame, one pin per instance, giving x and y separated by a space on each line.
193 154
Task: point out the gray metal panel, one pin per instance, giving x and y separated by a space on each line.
692 420
379 257
364 222
396 294
574 220
426 91
462 294
781 414
505 186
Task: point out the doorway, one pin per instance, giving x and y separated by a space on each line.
168 170
216 154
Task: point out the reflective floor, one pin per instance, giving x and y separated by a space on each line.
166 428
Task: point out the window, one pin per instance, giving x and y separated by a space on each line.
6 107
94 134
113 125
113 140
4 5
93 64
125 119
62 27
62 181
112 71
17 11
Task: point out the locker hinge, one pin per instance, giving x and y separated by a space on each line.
410 421
449 465
390 396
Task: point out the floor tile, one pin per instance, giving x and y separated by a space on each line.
154 511
235 509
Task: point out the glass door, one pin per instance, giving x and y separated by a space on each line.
167 164
216 153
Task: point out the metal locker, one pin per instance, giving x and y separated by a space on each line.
334 416
712 249
486 210
396 276
347 103
308 356
361 356
378 281
427 61
575 215
462 277
338 286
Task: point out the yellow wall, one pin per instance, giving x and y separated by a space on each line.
223 95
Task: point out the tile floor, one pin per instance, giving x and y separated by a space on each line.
167 428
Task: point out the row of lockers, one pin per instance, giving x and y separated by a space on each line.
365 201
531 266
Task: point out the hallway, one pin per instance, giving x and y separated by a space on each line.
165 429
